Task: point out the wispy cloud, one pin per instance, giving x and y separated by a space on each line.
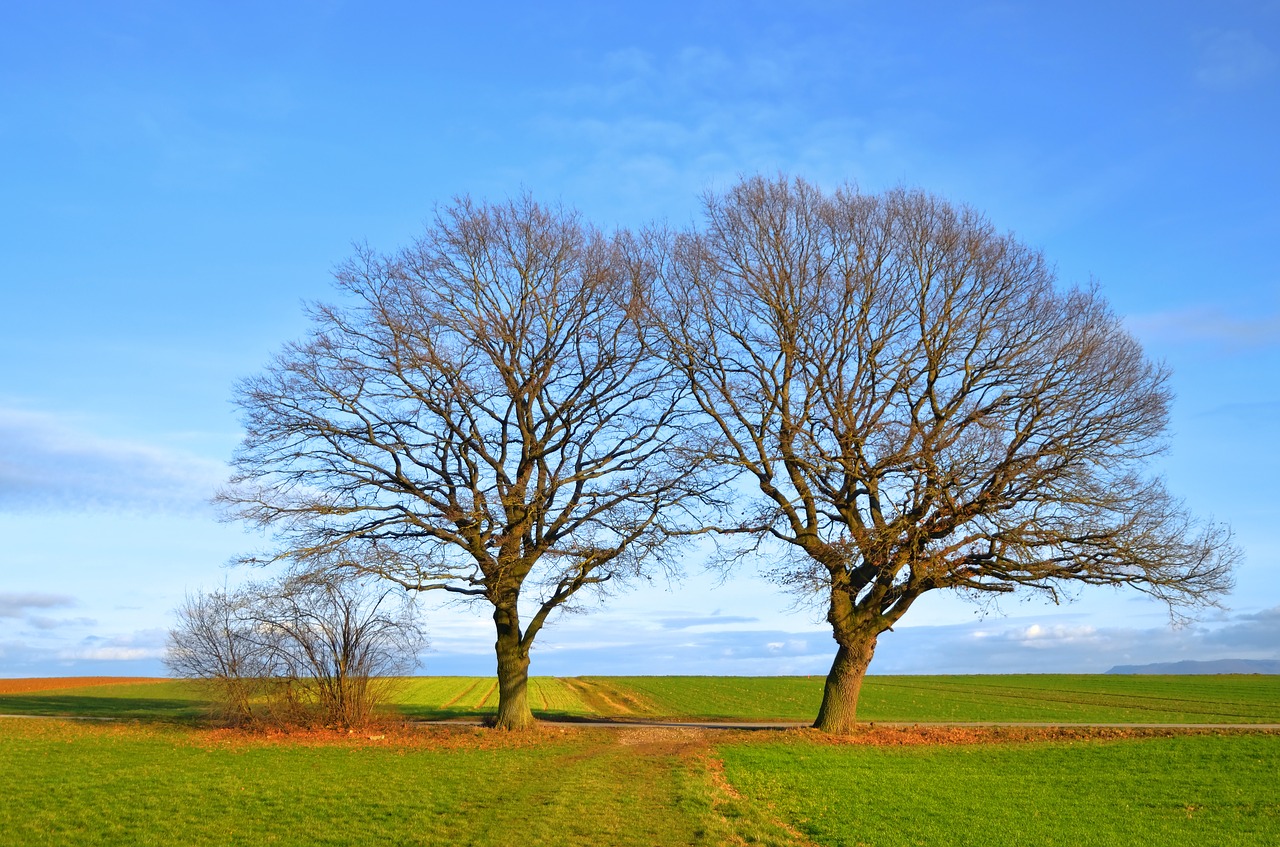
703 620
47 623
1262 412
1231 58
20 604
1257 632
46 462
1207 325
662 128
736 653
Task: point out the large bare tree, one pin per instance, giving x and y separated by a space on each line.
483 417
921 408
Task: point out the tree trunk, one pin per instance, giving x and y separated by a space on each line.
839 709
513 674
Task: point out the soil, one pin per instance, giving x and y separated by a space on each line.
24 686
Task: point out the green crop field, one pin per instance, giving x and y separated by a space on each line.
1027 698
1074 698
150 700
1032 698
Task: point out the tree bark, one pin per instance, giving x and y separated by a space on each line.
838 713
513 673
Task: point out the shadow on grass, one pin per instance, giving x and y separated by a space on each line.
428 713
89 706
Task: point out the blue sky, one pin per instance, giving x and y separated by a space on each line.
179 178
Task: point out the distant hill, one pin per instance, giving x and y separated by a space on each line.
1216 666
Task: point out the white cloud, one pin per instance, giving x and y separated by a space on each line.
130 654
134 646
1049 646
46 462
1039 635
115 654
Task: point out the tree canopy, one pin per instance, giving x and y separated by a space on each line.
921 407
519 407
484 417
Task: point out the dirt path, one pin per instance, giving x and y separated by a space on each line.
689 754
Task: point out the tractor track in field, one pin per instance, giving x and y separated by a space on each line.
593 695
453 700
489 693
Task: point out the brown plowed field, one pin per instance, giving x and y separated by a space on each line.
22 686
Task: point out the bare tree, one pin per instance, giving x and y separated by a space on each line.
922 409
212 641
486 420
340 644
299 646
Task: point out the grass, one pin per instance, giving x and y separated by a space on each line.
1074 698
80 783
1036 698
1185 790
164 780
173 700
1032 698
725 698
74 784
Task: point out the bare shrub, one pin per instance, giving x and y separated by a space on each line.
302 649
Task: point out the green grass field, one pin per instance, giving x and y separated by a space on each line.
1189 790
131 783
1030 698
176 700
93 784
160 777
